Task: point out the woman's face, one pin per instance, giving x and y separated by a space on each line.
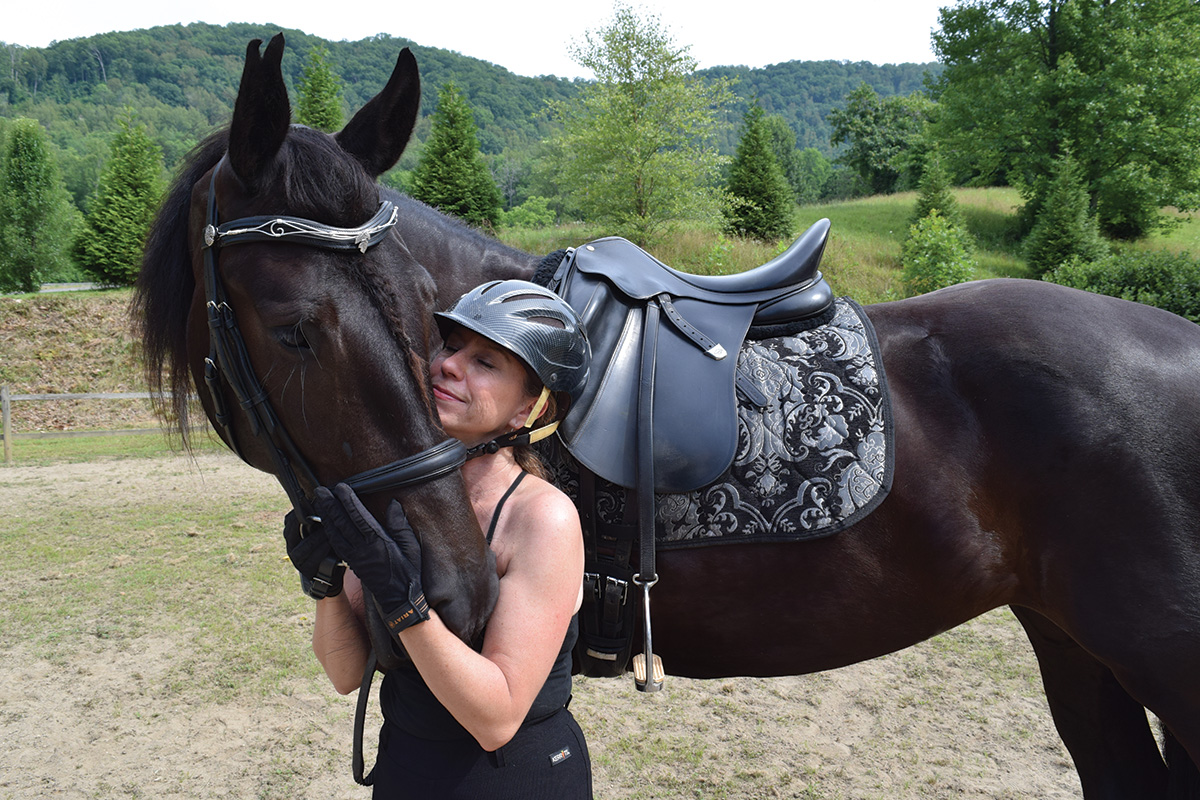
479 388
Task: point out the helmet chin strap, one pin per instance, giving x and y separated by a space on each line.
523 436
537 407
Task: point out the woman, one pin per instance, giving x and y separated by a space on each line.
489 723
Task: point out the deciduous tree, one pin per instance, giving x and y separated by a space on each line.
816 171
783 144
635 148
883 136
935 255
1116 82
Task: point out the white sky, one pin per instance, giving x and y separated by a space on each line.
529 37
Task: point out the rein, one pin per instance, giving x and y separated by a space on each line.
228 359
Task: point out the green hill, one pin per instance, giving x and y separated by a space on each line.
182 81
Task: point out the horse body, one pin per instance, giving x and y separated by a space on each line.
1005 494
1047 447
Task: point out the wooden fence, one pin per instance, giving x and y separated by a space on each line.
7 399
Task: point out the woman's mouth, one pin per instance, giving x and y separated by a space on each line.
441 394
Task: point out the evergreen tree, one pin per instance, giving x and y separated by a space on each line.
635 151
110 243
934 192
452 174
1064 229
37 219
761 199
320 103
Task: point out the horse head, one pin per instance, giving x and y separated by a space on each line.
323 304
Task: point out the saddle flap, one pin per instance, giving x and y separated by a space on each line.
695 426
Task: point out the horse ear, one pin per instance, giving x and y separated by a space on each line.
261 115
378 133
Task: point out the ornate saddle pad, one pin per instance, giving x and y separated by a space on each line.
814 452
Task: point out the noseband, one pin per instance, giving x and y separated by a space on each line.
229 360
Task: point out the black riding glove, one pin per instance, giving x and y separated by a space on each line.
388 563
319 567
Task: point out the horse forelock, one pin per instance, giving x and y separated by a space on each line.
315 179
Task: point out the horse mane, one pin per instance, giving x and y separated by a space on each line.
162 296
309 169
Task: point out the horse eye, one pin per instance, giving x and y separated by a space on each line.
293 337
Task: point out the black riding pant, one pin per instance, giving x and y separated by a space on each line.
546 760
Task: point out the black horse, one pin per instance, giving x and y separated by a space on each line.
1047 442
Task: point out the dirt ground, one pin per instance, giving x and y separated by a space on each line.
960 716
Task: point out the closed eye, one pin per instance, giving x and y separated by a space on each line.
293 337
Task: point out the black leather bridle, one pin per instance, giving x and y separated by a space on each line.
229 361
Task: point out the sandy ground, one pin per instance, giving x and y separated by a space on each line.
960 716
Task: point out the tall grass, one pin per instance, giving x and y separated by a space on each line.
698 249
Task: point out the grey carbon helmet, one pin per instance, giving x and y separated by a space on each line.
533 323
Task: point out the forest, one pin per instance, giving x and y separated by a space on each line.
180 82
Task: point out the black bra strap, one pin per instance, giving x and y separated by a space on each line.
500 506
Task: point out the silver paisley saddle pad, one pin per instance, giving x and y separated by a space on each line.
815 445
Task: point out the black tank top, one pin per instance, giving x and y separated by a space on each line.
408 703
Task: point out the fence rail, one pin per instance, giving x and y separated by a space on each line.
7 399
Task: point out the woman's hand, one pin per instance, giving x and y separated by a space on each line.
387 562
311 555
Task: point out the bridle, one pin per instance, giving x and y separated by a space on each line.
228 359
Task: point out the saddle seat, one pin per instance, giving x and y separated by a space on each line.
785 289
677 381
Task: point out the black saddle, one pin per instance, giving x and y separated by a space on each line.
676 381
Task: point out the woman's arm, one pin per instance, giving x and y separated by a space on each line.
491 692
340 639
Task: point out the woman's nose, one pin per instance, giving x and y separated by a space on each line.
451 364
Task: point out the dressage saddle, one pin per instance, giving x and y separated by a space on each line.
669 340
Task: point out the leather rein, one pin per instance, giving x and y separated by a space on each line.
229 360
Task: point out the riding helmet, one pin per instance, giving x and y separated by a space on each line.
533 323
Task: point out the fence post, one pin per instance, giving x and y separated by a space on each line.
6 413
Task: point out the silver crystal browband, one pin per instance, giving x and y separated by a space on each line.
304 231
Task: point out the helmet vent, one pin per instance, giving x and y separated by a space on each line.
551 321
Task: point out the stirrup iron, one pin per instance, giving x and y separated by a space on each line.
645 681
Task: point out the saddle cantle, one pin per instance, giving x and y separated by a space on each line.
669 341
